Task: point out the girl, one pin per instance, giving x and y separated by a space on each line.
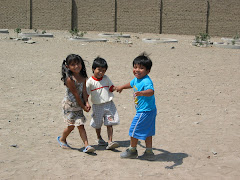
74 76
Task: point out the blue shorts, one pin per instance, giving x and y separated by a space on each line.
143 125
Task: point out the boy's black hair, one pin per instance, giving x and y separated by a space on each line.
66 72
143 60
99 62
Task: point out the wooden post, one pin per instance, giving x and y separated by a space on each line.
208 13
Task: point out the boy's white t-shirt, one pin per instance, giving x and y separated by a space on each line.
99 89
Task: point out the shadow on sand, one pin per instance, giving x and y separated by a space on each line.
161 155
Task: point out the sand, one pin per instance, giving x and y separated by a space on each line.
197 96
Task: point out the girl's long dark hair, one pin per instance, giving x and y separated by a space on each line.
66 72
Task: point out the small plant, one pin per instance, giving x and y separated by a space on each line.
17 30
43 32
201 39
75 32
236 36
35 30
82 33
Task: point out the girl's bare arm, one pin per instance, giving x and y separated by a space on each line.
71 85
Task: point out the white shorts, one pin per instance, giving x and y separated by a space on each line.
106 113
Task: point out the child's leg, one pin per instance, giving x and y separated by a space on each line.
110 133
148 142
131 152
148 150
111 144
133 142
98 132
100 140
66 132
83 135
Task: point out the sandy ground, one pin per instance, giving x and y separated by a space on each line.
197 96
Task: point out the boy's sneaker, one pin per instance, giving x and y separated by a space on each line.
130 154
112 145
147 156
101 142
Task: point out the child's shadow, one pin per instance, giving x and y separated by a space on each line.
81 150
176 158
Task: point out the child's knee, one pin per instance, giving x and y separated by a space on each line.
80 127
70 128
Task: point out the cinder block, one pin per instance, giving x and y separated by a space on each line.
94 15
224 18
51 14
138 16
184 17
14 14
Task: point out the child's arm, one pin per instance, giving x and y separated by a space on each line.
112 88
148 92
71 85
120 88
85 96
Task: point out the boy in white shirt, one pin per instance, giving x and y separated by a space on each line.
100 87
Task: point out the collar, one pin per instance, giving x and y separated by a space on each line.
96 79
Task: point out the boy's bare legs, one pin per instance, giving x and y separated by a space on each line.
100 140
148 142
111 145
83 135
98 132
65 134
110 133
131 152
133 142
148 154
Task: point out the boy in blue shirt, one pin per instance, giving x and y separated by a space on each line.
143 124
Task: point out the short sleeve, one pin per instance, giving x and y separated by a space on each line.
109 81
149 86
88 84
132 82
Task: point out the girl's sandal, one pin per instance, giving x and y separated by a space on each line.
63 145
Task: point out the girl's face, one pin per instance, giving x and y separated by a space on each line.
139 71
75 67
99 72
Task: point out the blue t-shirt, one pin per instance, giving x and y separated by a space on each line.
143 103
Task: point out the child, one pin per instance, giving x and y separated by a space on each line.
143 124
75 101
100 87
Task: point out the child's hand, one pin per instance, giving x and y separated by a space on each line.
88 107
118 89
114 88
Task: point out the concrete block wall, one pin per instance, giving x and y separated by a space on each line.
14 14
224 19
51 14
94 15
151 16
138 16
184 16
